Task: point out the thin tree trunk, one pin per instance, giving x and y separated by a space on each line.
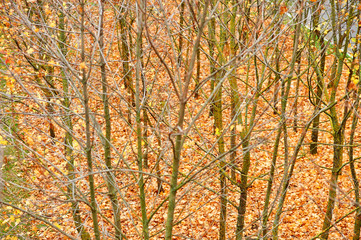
265 213
181 26
246 161
337 163
243 188
218 118
125 57
212 67
196 94
320 69
286 181
295 104
357 225
111 182
177 148
338 129
2 184
69 138
235 104
141 183
284 101
93 204
277 26
223 47
145 138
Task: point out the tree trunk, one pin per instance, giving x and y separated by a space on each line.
110 179
140 159
319 75
177 148
2 184
71 189
88 153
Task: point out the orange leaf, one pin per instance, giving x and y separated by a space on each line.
82 66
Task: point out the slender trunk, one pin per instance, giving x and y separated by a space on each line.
128 82
286 181
246 161
243 188
48 91
337 163
277 26
93 204
177 148
212 67
218 118
181 26
2 185
284 101
159 155
141 183
223 47
235 104
111 182
49 105
357 225
174 178
337 128
157 168
145 138
277 81
265 213
295 104
69 138
145 114
246 137
320 69
196 94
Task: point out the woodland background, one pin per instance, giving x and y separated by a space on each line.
180 119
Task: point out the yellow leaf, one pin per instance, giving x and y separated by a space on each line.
218 133
239 128
355 79
51 62
52 25
2 141
10 83
30 51
75 145
57 225
82 66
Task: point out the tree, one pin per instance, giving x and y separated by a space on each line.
173 119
